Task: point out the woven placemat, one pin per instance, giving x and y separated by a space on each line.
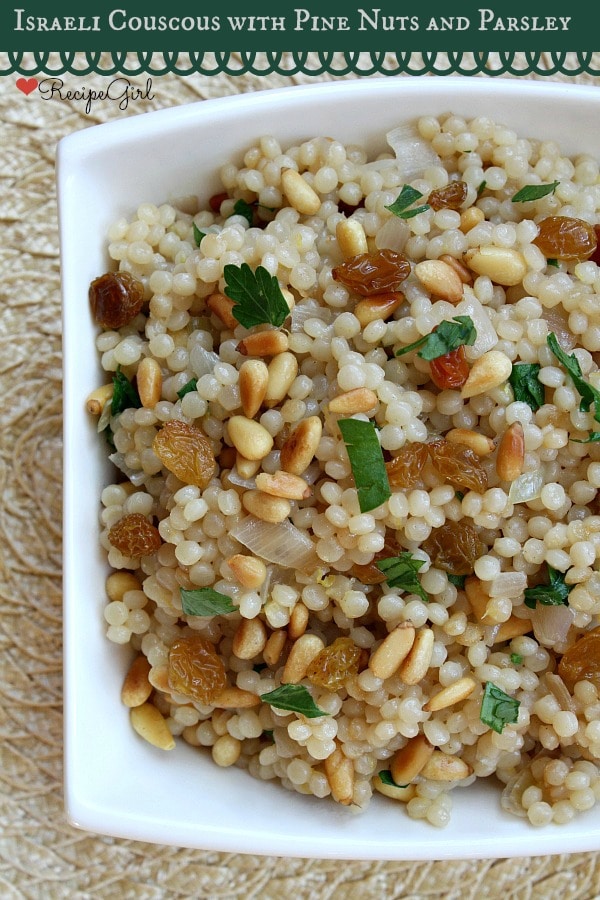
41 856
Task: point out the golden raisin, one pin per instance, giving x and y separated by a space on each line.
186 452
565 237
134 536
450 197
116 298
581 662
195 669
373 273
459 465
404 470
330 668
450 371
454 547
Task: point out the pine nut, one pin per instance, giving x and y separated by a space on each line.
222 307
254 376
408 762
351 238
471 217
487 372
274 647
118 583
149 382
150 725
265 507
235 698
263 343
512 628
298 621
246 468
249 438
249 639
340 775
299 193
478 443
453 693
381 306
136 687
281 374
416 665
226 750
477 597
393 650
301 655
440 279
289 298
511 453
359 400
98 399
502 265
159 679
283 484
298 451
460 269
443 767
248 570
393 791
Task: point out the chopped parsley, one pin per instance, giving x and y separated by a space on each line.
447 336
257 296
296 698
125 396
241 208
198 235
401 572
385 776
555 593
588 393
205 602
497 708
191 385
534 192
457 580
516 659
366 460
405 199
526 385
481 188
552 262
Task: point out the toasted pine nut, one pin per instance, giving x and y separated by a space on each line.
248 570
358 400
340 775
149 382
283 484
513 627
136 687
392 651
118 583
299 193
301 655
416 665
254 376
263 343
477 597
265 507
282 372
226 750
222 307
98 399
381 306
351 238
150 725
451 694
443 767
274 647
478 443
249 438
440 279
393 791
487 372
246 468
460 269
235 698
471 217
159 679
410 759
511 453
298 451
249 639
502 265
298 621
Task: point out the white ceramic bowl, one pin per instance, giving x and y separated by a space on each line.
115 783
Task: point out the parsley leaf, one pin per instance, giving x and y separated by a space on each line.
534 192
407 196
552 262
296 698
516 659
447 336
257 296
401 572
497 708
588 393
526 385
187 388
241 208
366 459
198 235
125 396
481 188
205 602
592 437
385 776
457 580
554 594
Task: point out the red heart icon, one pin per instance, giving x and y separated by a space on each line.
27 85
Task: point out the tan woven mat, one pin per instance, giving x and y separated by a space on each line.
41 856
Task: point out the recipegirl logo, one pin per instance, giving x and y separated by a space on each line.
119 90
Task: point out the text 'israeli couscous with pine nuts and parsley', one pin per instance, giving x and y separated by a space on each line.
355 409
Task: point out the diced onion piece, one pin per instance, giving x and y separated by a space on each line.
202 361
105 416
283 543
558 324
487 337
393 235
557 686
527 486
413 153
136 477
235 478
508 584
510 800
309 309
551 623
